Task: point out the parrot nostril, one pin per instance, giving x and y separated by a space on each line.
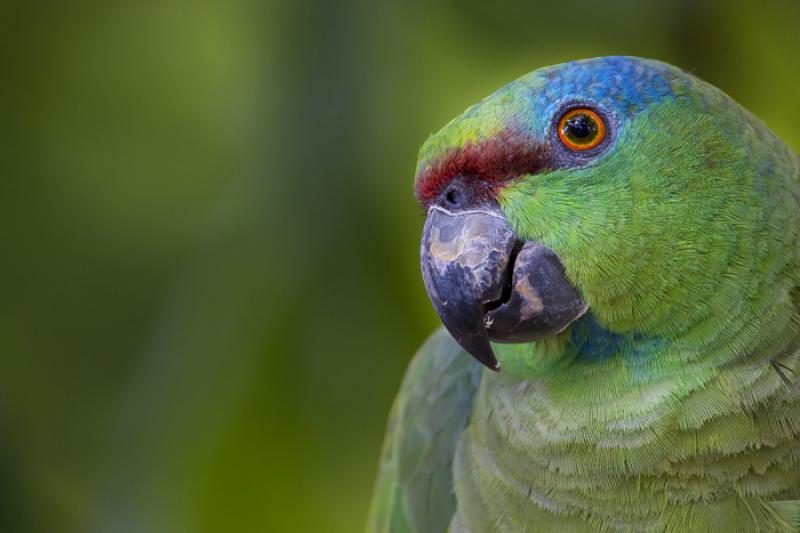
453 198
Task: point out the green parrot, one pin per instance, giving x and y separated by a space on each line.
615 242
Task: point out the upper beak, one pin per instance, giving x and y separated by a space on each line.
487 284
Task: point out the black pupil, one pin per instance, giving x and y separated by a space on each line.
581 128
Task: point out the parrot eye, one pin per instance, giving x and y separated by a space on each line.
581 129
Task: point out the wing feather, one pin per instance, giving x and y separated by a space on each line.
413 492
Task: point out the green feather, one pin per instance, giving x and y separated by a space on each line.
674 405
414 490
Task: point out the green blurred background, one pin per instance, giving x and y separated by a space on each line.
209 240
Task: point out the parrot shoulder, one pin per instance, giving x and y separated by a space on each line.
413 491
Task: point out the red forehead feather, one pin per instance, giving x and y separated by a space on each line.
493 161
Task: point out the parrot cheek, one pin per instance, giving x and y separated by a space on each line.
486 284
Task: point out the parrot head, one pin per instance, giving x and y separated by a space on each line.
620 187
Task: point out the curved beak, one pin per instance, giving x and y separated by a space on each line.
486 284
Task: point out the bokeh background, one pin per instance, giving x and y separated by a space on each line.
209 242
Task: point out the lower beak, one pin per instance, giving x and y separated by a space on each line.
486 284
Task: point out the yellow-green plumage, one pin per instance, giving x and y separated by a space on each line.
674 404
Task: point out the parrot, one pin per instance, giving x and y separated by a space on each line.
611 245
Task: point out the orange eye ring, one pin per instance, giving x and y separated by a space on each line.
581 129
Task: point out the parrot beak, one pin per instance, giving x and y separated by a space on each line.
487 284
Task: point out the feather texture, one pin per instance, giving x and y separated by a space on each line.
414 491
674 404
